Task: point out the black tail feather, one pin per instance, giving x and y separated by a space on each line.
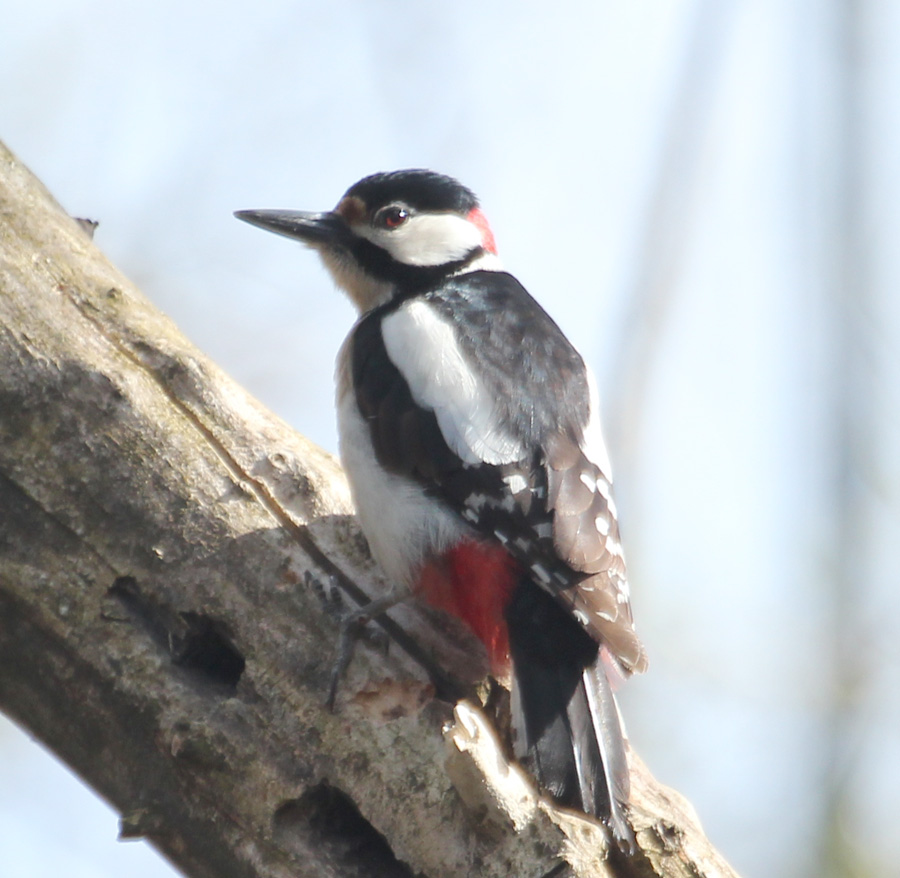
565 720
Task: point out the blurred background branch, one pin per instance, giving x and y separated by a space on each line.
856 478
665 228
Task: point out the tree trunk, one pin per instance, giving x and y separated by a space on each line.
174 561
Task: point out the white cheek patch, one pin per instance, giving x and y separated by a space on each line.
423 347
426 239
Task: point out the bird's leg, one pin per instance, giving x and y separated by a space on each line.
351 628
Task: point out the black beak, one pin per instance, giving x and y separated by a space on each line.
311 228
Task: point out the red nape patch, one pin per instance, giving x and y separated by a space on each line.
477 218
475 582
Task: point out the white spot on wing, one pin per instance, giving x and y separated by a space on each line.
516 483
544 529
541 573
422 345
476 500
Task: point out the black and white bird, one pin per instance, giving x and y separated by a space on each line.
470 435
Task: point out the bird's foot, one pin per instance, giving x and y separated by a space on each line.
352 626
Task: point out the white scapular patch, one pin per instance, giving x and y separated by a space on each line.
423 347
426 238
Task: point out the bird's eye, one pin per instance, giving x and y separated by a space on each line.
391 217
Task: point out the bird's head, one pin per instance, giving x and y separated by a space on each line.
392 233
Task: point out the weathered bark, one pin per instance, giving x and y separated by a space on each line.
173 560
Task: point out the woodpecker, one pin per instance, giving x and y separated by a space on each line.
469 432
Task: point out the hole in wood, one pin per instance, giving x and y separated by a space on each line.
204 647
326 820
193 640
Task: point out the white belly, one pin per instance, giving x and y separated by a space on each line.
403 525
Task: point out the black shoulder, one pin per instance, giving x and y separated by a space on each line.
538 378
